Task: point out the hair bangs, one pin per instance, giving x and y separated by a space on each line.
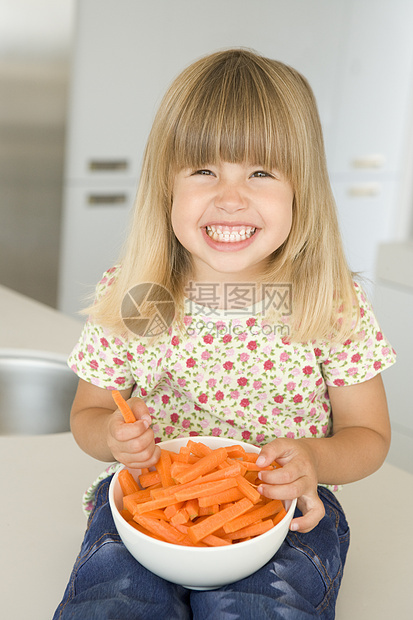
236 115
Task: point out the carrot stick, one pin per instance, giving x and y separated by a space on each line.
192 508
225 497
215 541
235 451
123 407
171 510
153 504
127 482
148 479
248 490
251 530
205 465
163 467
279 516
256 514
198 531
207 488
198 448
160 528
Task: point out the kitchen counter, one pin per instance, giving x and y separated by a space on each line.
44 476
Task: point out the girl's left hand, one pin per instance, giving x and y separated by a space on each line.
297 478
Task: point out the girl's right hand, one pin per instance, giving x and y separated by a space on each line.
133 444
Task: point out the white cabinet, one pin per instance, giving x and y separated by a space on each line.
356 54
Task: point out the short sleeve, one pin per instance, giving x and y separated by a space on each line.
100 357
360 358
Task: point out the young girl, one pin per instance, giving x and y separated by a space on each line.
272 341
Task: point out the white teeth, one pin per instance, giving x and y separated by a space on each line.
229 234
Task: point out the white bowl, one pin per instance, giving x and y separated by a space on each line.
199 568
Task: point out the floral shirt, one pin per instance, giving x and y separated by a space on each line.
231 376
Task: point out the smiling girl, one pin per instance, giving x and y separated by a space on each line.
234 195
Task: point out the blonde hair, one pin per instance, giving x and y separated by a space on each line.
237 106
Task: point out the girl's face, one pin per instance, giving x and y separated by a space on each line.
231 218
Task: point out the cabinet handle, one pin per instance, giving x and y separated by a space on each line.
364 190
375 160
106 199
108 165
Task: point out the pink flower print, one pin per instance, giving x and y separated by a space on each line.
252 345
268 364
219 395
251 322
168 353
244 357
205 355
203 398
169 430
199 378
90 349
143 392
186 423
244 402
94 364
285 340
175 341
80 356
120 380
212 383
104 342
313 430
242 381
246 435
317 352
165 399
109 371
377 365
284 357
338 382
232 422
208 339
74 368
257 385
352 371
262 419
187 320
276 411
290 435
260 438
118 361
174 417
308 370
290 386
216 432
228 365
298 419
204 423
190 362
385 351
226 380
298 398
227 338
232 432
324 429
319 381
379 336
347 342
279 398
234 394
129 356
118 342
140 349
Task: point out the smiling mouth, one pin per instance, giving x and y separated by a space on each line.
230 234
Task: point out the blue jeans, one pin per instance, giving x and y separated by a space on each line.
301 581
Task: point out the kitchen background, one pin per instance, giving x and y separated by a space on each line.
79 83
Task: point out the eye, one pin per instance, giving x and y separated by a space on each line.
261 174
203 172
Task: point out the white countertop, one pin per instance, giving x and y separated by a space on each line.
42 523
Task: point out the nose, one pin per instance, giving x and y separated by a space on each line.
230 197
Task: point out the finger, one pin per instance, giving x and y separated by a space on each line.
140 409
276 450
139 461
309 520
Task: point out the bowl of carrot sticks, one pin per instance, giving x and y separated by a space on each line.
197 519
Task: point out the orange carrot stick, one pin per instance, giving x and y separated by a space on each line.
207 488
279 516
163 467
215 541
160 528
127 482
198 531
251 530
256 514
248 490
205 465
123 407
148 479
224 497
